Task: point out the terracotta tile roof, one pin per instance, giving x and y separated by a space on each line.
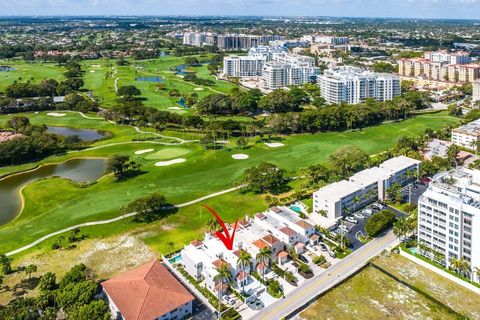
260 244
271 240
146 292
314 237
299 245
237 252
244 223
275 209
282 254
242 275
304 224
222 286
196 243
261 265
289 232
260 216
218 263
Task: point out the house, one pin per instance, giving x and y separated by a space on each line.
148 292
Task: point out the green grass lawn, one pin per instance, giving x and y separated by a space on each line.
204 172
99 76
29 71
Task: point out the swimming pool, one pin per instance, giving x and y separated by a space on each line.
176 258
296 209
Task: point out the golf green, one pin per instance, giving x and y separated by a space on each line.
167 153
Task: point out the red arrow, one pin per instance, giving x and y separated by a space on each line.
226 238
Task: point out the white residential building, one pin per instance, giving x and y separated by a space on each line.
353 85
332 40
267 52
243 66
449 216
476 91
448 57
288 70
467 135
346 196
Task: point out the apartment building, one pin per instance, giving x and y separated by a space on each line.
353 85
243 66
467 135
331 40
441 66
288 70
347 196
267 52
227 41
476 91
449 217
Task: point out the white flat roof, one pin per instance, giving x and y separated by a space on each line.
338 190
399 163
370 176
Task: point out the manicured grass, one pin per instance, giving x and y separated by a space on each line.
204 172
29 71
167 153
373 295
102 79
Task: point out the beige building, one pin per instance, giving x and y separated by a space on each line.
476 91
467 135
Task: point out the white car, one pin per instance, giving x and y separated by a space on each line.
358 215
367 211
343 228
351 219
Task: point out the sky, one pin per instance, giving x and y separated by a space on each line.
443 9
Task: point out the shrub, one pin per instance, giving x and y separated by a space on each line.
379 222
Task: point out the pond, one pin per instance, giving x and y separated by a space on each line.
6 68
84 134
149 79
181 102
78 170
180 70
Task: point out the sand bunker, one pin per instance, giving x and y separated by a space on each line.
92 71
175 108
274 144
198 89
240 156
143 151
169 162
56 114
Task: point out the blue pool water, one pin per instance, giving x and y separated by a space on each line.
413 250
175 259
296 209
149 79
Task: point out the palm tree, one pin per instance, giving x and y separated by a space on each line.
31 268
223 275
264 256
243 261
356 200
476 270
455 264
212 225
399 228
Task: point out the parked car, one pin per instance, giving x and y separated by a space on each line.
302 258
367 212
351 219
379 206
343 228
333 234
358 215
332 254
256 304
229 300
323 247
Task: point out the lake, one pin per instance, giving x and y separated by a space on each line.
6 68
78 170
84 134
149 79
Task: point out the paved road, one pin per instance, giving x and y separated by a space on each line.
326 280
95 223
